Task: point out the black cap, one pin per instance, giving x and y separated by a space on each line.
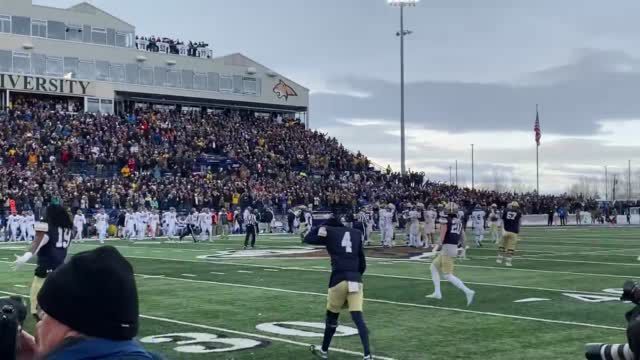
95 294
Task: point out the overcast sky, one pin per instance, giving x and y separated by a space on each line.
474 70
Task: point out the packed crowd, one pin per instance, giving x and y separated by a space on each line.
170 46
270 162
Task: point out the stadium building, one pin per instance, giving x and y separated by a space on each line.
95 60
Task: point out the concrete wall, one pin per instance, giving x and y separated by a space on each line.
235 64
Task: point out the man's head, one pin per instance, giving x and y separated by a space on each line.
92 295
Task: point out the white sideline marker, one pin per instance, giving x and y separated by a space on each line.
188 275
245 272
216 273
272 270
20 286
531 300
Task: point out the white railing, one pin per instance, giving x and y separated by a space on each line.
165 48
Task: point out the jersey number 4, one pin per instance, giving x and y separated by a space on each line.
346 242
64 237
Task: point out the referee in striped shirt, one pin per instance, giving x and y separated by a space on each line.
251 227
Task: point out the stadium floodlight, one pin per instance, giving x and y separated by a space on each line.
401 34
403 2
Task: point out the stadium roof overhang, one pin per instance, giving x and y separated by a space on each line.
190 101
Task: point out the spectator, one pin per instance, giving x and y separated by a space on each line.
97 326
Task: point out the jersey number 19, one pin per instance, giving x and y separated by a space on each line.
64 237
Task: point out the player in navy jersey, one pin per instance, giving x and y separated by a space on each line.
451 234
50 246
511 225
345 246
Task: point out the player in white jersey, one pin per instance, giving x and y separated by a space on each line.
154 220
494 223
206 224
414 228
102 222
142 219
31 226
23 227
78 224
129 225
477 220
172 220
13 223
386 225
430 217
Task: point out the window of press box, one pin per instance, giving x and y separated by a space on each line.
21 25
86 70
21 63
39 28
99 36
102 70
121 39
226 83
5 60
117 72
56 30
74 32
54 66
5 23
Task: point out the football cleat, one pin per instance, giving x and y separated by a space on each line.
434 296
470 297
368 357
317 351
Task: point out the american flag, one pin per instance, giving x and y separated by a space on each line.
536 128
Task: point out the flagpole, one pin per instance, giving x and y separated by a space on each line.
537 160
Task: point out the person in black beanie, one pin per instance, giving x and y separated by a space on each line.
89 310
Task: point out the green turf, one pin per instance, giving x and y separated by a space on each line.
182 293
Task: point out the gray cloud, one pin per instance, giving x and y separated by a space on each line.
599 85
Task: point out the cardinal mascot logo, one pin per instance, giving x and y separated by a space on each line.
282 90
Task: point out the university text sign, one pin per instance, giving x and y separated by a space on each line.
44 84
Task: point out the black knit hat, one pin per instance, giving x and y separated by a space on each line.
95 294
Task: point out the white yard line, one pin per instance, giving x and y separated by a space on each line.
189 275
422 262
229 331
414 262
572 323
254 335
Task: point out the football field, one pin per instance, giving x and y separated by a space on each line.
215 301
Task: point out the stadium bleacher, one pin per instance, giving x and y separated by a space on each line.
191 159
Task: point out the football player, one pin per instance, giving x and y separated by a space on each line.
511 223
494 223
102 222
414 228
13 223
31 226
450 233
348 263
129 225
430 226
191 224
23 227
477 219
50 246
206 224
78 223
142 220
154 220
386 225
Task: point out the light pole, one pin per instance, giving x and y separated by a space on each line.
402 33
